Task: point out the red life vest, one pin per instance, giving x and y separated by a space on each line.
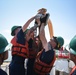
42 68
74 68
19 49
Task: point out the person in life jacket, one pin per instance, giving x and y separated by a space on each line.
72 50
3 52
19 48
45 58
34 45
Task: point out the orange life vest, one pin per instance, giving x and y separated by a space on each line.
19 49
73 70
42 68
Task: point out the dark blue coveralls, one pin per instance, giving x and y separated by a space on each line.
2 72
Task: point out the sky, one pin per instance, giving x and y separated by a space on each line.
17 12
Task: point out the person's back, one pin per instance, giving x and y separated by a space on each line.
18 53
34 47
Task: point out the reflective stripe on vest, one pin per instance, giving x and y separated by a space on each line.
19 49
74 68
42 68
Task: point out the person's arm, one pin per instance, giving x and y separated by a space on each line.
27 23
43 38
33 28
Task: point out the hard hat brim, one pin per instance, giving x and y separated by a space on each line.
5 48
2 50
72 51
13 32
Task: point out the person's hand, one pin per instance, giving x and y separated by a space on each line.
45 19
